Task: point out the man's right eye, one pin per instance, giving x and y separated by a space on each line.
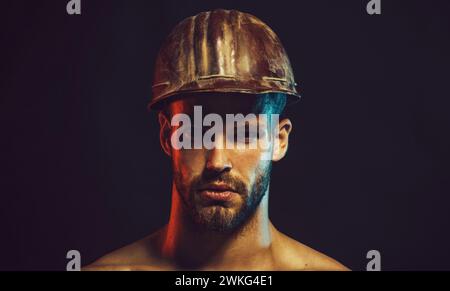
246 134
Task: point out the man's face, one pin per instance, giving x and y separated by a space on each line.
221 187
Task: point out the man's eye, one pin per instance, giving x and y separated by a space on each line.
246 134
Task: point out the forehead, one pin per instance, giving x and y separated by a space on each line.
219 103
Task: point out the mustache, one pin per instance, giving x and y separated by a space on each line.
231 182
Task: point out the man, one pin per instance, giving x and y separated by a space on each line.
216 66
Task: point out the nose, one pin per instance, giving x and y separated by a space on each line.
217 161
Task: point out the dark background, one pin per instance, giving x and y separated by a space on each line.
368 161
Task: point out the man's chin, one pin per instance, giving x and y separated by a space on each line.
217 218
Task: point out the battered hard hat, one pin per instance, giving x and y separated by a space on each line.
221 51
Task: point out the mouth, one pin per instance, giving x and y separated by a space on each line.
218 192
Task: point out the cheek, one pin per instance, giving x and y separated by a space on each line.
248 163
188 163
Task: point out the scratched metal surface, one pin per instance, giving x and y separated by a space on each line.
222 51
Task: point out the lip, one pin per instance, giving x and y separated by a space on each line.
217 195
218 192
217 188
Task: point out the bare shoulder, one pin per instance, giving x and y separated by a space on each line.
136 256
295 255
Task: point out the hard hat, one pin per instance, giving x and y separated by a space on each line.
221 51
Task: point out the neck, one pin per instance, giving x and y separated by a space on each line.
190 247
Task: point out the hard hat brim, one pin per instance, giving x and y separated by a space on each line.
224 86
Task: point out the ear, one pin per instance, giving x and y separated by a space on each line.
164 133
282 140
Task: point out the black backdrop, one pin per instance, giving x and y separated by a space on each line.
368 162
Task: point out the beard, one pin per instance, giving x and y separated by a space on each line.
222 216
